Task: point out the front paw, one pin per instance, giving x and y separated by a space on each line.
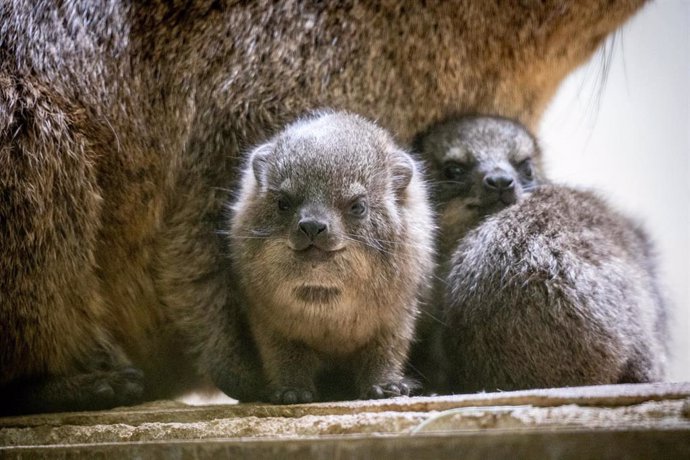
288 395
387 390
123 386
97 390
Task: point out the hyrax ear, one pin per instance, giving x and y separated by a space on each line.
259 161
402 171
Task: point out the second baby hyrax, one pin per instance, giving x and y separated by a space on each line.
545 285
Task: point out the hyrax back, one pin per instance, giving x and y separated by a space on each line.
331 236
548 286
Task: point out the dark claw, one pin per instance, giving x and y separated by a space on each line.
306 396
132 373
291 396
404 389
103 390
388 390
132 390
277 397
376 392
128 384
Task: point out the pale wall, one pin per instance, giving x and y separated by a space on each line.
631 140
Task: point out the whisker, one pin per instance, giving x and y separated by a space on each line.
442 280
434 317
243 237
262 231
255 234
349 237
223 189
453 182
532 187
378 240
417 371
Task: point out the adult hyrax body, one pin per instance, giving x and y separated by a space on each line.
121 129
331 236
545 286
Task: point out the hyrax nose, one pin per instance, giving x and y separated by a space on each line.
498 182
312 227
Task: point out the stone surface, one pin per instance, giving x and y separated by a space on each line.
601 421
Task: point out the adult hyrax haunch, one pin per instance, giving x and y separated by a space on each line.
547 286
332 236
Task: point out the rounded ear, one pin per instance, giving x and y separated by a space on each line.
402 171
259 161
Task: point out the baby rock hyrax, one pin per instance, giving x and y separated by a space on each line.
331 234
545 285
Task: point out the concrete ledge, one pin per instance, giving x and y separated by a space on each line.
636 421
580 445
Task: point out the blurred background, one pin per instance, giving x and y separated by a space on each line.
621 125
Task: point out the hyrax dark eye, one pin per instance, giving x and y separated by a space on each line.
525 167
358 208
453 170
284 204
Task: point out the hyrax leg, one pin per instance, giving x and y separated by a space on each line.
379 368
196 283
290 368
51 312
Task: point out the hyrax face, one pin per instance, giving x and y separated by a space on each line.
478 166
323 215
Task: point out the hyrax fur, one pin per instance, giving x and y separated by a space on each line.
332 236
545 285
122 127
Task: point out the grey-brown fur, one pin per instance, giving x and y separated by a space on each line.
557 289
122 126
331 237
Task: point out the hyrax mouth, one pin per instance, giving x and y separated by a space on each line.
316 294
314 254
